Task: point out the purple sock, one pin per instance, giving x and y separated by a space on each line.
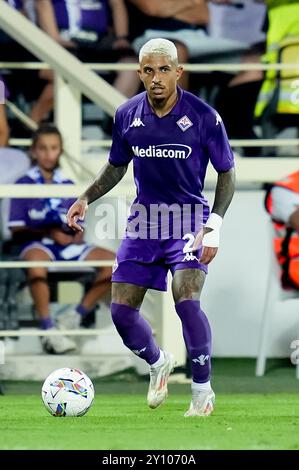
136 333
197 336
83 311
46 323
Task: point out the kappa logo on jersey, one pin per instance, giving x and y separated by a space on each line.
202 359
190 257
163 151
115 266
137 123
218 118
184 123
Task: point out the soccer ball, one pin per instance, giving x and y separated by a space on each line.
67 392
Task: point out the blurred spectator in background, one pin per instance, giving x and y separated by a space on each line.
244 22
184 22
39 227
282 202
253 97
278 101
83 27
240 21
187 23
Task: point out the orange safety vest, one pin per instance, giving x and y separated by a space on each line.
286 242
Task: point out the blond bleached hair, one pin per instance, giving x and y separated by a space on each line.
159 46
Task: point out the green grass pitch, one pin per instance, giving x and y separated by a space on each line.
124 422
250 414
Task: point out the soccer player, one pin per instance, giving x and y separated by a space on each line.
170 135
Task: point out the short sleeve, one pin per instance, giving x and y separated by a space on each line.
216 142
17 213
120 153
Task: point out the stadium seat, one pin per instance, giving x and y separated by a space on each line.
274 293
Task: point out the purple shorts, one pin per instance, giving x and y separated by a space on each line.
146 262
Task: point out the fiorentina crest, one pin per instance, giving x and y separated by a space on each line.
184 123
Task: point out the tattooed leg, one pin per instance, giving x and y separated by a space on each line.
187 284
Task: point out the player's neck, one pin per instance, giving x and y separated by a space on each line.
164 106
47 175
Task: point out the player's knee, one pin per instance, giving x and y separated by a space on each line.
36 280
37 272
187 284
106 273
185 294
127 294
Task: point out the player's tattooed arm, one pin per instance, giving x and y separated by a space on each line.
224 191
108 177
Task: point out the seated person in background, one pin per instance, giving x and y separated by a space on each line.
187 23
277 103
283 24
39 226
183 22
282 202
236 98
83 27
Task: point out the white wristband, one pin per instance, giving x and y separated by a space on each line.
214 221
212 239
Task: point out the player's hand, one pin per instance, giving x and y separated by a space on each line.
77 212
208 254
205 240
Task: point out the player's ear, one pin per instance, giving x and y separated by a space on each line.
179 72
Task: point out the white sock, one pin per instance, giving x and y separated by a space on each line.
205 387
160 361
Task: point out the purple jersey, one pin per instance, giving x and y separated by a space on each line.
86 15
39 213
170 154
